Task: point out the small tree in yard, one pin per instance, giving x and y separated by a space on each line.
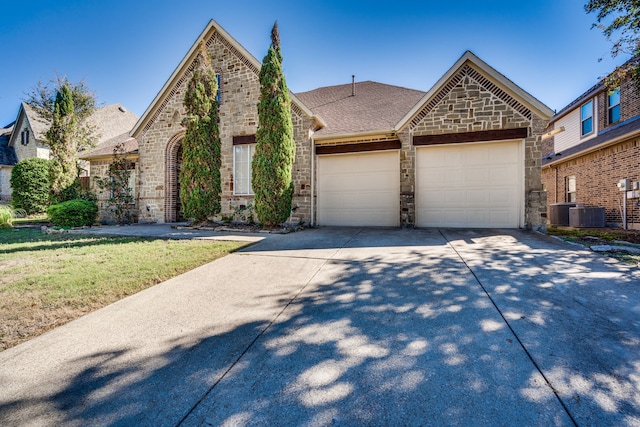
66 107
117 184
275 147
200 181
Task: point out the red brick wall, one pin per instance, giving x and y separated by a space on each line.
629 104
596 175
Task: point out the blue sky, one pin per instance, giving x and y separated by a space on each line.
125 50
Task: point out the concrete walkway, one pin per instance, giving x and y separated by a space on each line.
351 327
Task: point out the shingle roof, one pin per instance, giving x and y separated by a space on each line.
7 154
111 121
105 148
375 106
628 127
39 126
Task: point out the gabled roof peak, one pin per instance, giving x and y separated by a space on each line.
179 74
469 59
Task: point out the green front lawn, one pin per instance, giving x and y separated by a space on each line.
47 280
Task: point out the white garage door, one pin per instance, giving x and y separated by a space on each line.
360 189
470 185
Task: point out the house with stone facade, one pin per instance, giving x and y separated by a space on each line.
592 144
465 153
26 137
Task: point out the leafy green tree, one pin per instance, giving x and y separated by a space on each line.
619 21
30 184
65 107
200 181
275 147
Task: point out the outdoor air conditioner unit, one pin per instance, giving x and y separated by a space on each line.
586 217
559 214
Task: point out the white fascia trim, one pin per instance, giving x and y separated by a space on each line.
390 133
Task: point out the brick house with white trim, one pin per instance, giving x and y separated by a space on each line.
590 145
466 153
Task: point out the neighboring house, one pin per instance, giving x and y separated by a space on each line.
590 145
466 153
28 135
7 161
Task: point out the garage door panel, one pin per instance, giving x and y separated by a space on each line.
482 189
360 189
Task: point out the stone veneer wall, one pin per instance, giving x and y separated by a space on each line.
240 92
470 102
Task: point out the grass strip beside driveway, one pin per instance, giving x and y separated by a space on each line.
48 280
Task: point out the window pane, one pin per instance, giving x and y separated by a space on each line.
132 183
614 114
614 97
243 154
587 110
587 126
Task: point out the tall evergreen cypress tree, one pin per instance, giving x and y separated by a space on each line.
275 147
60 136
200 184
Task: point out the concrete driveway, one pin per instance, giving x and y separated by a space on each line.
351 327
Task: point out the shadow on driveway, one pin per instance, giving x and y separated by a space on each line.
358 327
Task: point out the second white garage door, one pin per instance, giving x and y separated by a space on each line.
360 189
470 185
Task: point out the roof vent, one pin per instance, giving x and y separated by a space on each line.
122 109
353 85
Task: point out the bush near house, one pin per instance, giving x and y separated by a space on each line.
7 216
30 183
73 213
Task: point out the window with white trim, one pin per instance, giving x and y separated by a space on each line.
586 118
571 189
242 157
613 106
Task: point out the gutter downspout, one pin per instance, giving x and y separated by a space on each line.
313 180
556 185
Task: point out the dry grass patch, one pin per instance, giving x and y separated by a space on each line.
48 280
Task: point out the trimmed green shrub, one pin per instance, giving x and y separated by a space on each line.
74 192
30 184
73 213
